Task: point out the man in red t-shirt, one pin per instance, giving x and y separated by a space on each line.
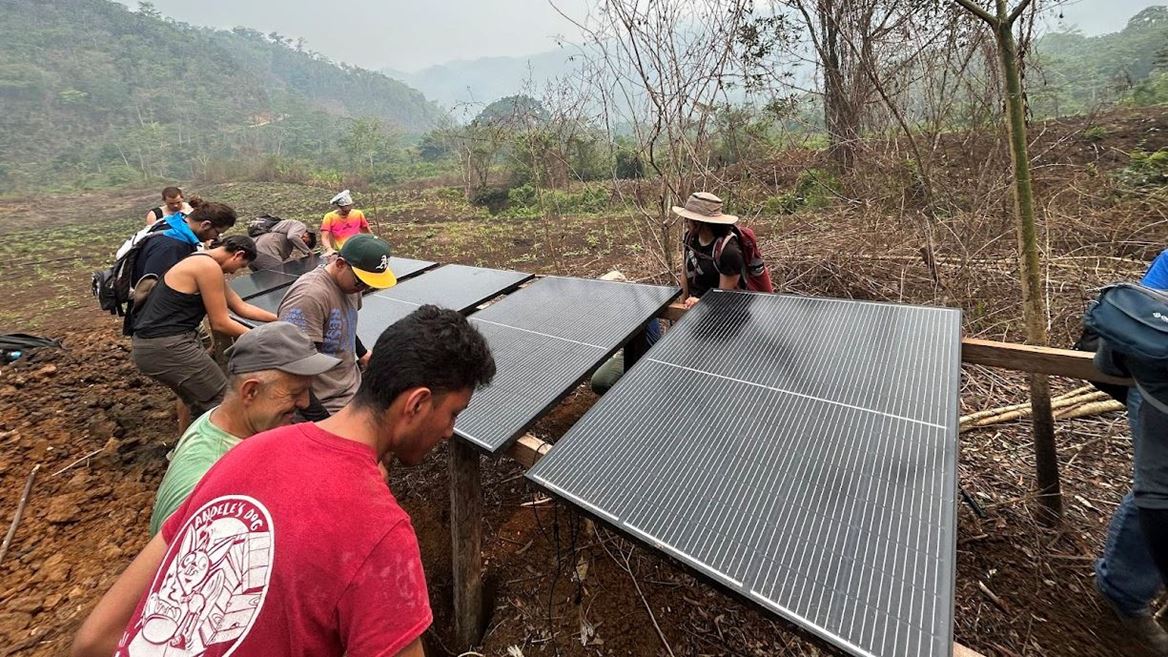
292 544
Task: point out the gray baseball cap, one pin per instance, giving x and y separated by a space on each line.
277 346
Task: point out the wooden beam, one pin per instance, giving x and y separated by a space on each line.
673 312
1005 355
466 535
1027 358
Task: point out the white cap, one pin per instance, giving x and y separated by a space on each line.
344 198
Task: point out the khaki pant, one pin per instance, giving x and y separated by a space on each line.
182 364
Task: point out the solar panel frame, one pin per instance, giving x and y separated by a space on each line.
552 334
582 470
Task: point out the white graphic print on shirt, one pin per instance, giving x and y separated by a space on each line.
211 585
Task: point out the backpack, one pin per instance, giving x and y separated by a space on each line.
754 274
261 224
112 287
1131 320
1089 341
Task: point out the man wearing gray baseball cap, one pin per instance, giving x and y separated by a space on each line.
270 372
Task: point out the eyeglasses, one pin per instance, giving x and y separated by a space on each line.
359 284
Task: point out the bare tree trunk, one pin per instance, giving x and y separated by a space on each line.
1033 301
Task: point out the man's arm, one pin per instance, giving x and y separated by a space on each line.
151 217
326 234
245 309
99 634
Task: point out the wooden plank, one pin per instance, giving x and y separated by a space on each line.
466 535
1028 358
961 651
1004 355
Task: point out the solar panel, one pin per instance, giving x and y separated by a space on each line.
546 338
301 266
801 452
260 282
458 287
455 286
404 268
269 301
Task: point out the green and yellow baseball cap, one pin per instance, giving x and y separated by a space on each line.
369 257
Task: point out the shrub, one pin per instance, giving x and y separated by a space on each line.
1095 133
1147 171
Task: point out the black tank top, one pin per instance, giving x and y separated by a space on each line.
168 312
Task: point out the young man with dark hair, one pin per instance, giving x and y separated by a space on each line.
292 544
181 238
172 203
324 303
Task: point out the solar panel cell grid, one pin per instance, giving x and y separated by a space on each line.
743 445
455 286
404 268
545 339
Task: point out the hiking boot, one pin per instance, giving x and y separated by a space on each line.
1143 627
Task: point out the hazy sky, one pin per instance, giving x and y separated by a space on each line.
411 34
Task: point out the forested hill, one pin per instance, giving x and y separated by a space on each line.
88 87
1078 74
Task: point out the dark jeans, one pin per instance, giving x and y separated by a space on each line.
1127 573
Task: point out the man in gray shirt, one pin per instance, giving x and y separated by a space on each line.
284 240
324 303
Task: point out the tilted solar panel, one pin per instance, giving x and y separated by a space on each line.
801 452
301 265
260 282
403 268
546 338
457 287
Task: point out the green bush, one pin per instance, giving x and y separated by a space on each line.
814 189
1147 171
1095 133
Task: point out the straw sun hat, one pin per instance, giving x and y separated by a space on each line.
705 207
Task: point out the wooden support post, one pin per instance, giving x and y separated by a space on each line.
466 532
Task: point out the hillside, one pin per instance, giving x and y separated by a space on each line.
1076 73
90 89
480 81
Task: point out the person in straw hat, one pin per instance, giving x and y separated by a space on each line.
712 258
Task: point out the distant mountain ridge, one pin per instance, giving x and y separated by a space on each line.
87 85
478 82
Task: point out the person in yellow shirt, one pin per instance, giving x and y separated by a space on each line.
342 223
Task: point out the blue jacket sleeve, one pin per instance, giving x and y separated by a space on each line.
1157 276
